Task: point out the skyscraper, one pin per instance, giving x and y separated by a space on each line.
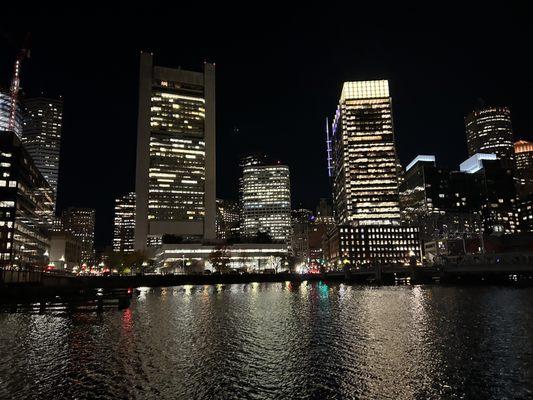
175 182
25 200
524 167
301 229
228 219
365 181
442 203
80 222
41 135
489 131
124 223
266 201
496 187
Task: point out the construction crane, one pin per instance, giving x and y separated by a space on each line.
15 83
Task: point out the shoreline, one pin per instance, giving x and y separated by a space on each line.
51 286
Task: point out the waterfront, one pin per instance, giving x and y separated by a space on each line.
279 340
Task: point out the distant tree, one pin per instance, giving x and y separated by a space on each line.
219 259
137 261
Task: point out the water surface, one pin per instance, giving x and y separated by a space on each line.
279 341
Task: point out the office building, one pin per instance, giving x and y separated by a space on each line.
228 219
175 178
266 201
5 113
80 223
363 160
197 257
324 213
489 131
124 224
25 198
368 246
524 167
65 251
525 214
41 135
443 203
301 229
496 187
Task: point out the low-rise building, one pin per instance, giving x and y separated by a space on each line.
366 246
197 257
65 251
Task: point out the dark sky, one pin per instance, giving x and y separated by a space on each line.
279 74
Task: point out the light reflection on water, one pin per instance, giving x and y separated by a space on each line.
279 340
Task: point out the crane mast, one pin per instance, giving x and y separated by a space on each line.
15 87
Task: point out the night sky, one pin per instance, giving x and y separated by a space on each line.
279 74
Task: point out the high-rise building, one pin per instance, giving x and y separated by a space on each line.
489 131
496 187
41 135
524 167
80 223
321 223
228 219
301 229
365 180
443 203
124 224
175 182
324 213
266 201
5 113
25 198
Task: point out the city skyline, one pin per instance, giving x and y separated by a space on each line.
257 117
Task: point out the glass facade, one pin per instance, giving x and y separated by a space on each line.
443 203
266 201
124 224
41 135
367 246
365 180
80 223
177 152
25 200
524 167
489 131
176 161
228 219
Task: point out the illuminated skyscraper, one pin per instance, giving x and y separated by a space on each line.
175 183
364 171
524 167
124 224
41 135
489 131
80 223
266 201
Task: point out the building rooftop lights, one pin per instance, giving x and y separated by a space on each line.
365 90
475 163
420 158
